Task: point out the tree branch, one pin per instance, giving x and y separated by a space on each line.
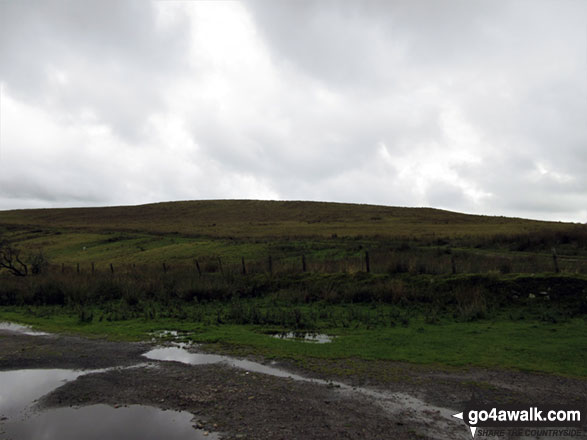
10 260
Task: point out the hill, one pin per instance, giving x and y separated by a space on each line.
335 235
255 218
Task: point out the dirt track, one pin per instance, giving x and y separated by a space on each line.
242 404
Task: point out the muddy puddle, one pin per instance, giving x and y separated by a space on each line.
183 336
317 338
99 422
436 421
22 329
170 335
180 354
21 420
19 389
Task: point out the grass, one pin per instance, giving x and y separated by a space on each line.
530 345
443 288
271 219
482 344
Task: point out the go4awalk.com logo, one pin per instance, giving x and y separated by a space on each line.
524 420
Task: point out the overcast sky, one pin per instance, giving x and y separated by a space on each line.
472 106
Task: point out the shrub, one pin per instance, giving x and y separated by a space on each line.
38 263
49 293
471 303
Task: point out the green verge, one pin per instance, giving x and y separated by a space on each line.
499 343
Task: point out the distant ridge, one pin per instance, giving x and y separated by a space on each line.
255 218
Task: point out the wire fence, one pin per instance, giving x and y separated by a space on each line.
376 262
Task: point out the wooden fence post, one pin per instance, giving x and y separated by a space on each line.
93 269
243 265
220 265
367 265
77 268
198 267
111 268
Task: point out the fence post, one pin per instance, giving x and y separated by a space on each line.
164 268
555 260
198 267
303 263
77 268
220 265
111 268
367 265
453 264
243 264
93 270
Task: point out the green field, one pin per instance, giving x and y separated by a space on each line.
411 284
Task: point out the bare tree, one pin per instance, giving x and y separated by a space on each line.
10 260
38 263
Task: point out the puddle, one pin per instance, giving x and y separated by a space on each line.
20 388
98 422
19 420
178 338
169 334
22 329
180 354
163 333
318 338
181 336
435 421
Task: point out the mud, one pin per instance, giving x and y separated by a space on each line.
353 398
19 350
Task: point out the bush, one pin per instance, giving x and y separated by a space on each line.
471 303
38 263
85 315
50 293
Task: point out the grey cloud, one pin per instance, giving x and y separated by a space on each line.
444 195
326 39
519 188
373 43
320 143
114 59
23 189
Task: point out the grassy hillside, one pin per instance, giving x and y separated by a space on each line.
254 218
333 236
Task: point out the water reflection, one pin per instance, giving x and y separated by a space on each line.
99 422
179 354
23 329
20 389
